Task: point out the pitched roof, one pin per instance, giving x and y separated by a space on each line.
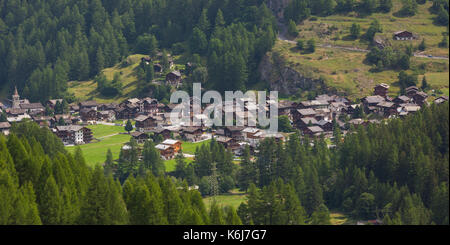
32 106
170 142
88 103
4 125
374 99
315 129
70 128
306 112
308 120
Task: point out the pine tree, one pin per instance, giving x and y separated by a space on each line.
51 203
129 126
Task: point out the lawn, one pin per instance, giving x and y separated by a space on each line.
95 153
170 164
234 199
189 148
100 130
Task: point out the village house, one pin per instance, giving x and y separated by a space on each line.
381 90
74 108
52 103
420 98
56 120
302 113
148 105
234 132
169 148
33 108
88 114
313 131
127 111
285 108
173 78
411 91
107 107
145 123
5 127
403 35
42 120
251 137
74 134
401 100
370 103
327 126
90 104
387 109
323 114
305 122
108 116
164 132
140 137
441 99
192 134
227 142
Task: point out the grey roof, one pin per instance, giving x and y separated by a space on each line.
32 106
374 99
70 128
306 112
315 129
308 120
4 125
88 103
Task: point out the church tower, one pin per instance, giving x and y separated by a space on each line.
15 99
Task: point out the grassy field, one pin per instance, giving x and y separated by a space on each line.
170 164
86 90
100 131
189 148
110 137
95 153
335 29
346 70
338 218
234 199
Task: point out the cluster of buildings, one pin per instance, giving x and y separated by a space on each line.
319 116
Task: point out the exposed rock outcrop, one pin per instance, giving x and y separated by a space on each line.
284 79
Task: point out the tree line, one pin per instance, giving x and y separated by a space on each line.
41 183
44 44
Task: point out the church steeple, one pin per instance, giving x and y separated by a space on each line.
15 98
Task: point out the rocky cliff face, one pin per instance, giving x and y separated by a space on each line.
278 6
285 79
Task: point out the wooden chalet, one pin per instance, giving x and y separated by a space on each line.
381 90
140 137
145 123
403 35
88 114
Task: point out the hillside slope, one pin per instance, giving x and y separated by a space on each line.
341 61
